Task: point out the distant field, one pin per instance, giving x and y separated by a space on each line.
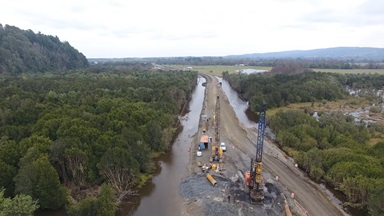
217 70
352 71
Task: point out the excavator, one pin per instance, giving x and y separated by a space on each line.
253 178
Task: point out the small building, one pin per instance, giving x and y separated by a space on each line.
205 140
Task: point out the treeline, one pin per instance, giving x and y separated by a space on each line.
62 136
336 150
309 63
24 51
323 63
282 89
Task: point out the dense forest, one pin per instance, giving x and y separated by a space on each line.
24 51
85 138
333 148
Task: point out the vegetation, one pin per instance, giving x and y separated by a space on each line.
24 51
64 135
20 205
102 205
282 89
335 149
332 148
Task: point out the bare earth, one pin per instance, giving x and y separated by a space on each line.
309 198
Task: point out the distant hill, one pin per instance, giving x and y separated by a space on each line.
24 51
344 53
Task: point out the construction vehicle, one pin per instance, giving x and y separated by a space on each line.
253 178
216 154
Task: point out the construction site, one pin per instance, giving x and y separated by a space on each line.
236 170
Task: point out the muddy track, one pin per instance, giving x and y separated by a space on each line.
275 163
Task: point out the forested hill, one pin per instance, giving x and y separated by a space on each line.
343 53
24 51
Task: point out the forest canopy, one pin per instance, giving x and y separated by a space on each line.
64 135
25 51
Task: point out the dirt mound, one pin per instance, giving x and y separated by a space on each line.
226 198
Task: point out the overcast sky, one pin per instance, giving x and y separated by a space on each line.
161 28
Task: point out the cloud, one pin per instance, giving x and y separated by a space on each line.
118 28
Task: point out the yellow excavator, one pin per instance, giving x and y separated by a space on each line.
253 178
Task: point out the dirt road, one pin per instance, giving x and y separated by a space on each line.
275 163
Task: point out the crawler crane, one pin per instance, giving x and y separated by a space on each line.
253 178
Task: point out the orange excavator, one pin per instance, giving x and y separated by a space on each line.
253 178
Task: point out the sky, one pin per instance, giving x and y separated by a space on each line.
169 28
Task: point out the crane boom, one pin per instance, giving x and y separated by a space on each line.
260 133
259 146
254 176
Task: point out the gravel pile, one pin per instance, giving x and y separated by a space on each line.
201 198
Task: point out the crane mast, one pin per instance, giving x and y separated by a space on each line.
259 146
253 178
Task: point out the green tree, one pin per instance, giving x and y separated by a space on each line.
48 190
86 207
106 201
102 205
20 205
40 180
8 172
376 200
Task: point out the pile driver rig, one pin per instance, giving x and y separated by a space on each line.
253 178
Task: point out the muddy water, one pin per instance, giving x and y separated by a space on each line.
161 195
237 103
241 107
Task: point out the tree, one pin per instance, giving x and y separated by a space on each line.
376 200
8 172
86 207
316 173
40 180
20 205
120 168
48 190
106 201
102 205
